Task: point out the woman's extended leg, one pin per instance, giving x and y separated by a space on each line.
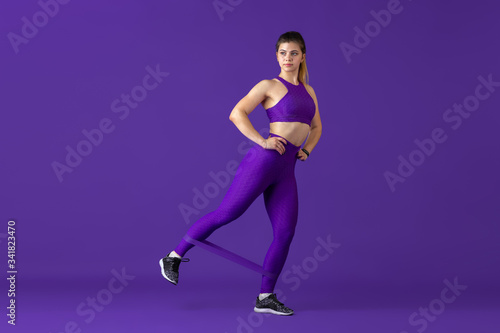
255 172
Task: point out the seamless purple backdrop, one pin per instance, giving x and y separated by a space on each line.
406 214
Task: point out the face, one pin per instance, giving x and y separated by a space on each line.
290 56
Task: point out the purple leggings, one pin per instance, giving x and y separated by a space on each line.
260 171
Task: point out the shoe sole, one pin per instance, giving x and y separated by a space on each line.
266 310
163 272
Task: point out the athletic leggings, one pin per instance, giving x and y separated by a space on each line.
260 171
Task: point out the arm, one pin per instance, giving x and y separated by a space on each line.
316 128
239 114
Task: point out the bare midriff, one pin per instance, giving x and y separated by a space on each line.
295 132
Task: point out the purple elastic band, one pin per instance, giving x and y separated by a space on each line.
204 244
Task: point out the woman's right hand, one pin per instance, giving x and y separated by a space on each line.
275 143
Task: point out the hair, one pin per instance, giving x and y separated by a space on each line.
294 36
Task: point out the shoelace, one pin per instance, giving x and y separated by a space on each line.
176 263
179 259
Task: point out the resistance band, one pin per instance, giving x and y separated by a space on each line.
204 244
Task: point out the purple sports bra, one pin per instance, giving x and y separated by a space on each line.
296 105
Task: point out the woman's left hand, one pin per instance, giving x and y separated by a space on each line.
301 155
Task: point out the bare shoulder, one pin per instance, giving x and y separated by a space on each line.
266 84
263 87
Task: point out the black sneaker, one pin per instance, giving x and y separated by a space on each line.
170 268
270 304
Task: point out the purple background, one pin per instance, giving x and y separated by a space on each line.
119 208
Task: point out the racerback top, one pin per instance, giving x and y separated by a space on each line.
296 105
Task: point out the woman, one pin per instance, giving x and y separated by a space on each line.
268 167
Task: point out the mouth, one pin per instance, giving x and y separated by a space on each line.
288 64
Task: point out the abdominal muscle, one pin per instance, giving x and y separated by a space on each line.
295 132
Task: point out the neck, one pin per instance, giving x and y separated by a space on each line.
292 77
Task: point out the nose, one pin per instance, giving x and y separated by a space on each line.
287 57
